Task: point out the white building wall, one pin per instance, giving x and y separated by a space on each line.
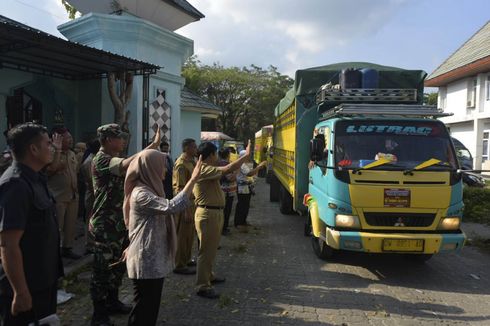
468 124
464 133
456 99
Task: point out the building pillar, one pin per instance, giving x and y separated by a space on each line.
478 147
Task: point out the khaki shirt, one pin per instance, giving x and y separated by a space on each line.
182 173
207 190
63 183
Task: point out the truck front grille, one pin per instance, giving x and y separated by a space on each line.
399 219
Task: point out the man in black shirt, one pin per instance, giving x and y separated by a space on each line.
29 236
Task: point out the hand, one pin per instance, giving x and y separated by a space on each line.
262 164
22 302
156 140
56 141
249 148
124 255
197 169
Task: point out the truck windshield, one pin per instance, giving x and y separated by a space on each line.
405 144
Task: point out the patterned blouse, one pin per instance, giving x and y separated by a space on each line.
147 256
228 181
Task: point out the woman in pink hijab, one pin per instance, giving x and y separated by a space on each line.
147 214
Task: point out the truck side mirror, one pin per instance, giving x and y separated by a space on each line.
317 147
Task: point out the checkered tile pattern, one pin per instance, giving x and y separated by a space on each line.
160 113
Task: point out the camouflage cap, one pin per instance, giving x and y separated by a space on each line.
111 130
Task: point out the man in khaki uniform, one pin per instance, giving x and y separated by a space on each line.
62 181
184 221
210 201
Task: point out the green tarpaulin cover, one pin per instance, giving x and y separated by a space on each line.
308 81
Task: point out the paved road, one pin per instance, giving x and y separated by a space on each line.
274 278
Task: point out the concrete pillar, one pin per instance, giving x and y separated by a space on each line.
478 147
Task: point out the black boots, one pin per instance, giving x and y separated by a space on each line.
104 308
101 315
115 306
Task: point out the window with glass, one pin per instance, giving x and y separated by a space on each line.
471 97
402 144
487 88
486 135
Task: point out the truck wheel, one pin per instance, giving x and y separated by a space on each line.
307 229
419 258
321 249
285 201
274 189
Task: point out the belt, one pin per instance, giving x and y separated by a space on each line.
210 207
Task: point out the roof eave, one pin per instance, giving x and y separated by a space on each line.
476 67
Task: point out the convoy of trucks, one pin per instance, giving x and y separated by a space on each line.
366 163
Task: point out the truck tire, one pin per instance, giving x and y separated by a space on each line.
321 249
274 189
307 231
285 201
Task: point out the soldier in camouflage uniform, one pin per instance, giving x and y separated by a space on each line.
107 228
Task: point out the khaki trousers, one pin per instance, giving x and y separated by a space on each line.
209 223
185 239
67 213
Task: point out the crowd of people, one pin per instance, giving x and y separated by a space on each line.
142 214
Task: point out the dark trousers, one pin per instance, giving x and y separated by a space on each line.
43 305
227 211
241 209
147 296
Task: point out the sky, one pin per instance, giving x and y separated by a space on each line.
291 35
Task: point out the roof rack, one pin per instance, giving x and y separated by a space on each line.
421 111
400 95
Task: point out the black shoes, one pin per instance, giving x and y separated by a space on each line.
101 315
217 280
68 253
185 271
208 294
101 321
117 307
225 232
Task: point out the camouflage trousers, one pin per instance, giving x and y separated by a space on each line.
108 271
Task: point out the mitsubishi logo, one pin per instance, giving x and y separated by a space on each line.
399 222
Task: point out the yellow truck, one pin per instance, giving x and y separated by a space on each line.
236 147
371 169
263 140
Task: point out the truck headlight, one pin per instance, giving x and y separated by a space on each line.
347 221
450 223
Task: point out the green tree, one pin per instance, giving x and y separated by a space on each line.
72 11
430 98
247 95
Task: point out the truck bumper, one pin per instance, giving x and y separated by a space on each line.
411 243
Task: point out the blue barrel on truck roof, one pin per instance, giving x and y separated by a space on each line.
350 78
369 78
